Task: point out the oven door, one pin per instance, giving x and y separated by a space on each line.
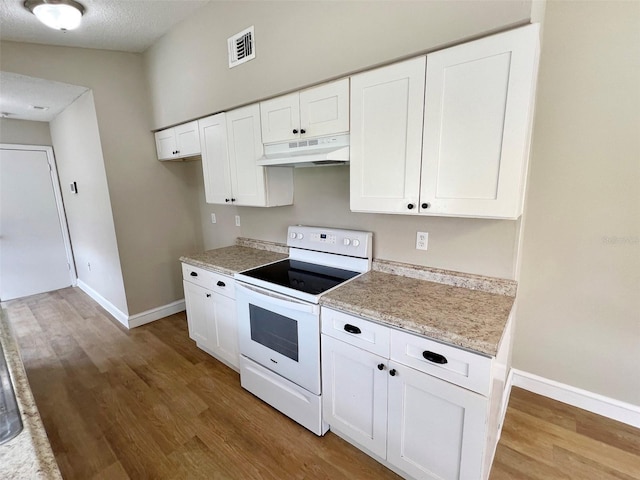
280 333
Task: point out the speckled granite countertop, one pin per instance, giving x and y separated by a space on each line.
230 260
469 311
29 455
471 319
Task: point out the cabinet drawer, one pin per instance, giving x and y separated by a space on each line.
454 365
355 331
216 282
224 285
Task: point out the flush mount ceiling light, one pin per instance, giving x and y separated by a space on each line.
58 14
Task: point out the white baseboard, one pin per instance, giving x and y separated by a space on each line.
119 315
592 402
156 313
132 321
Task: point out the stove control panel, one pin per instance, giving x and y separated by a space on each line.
354 243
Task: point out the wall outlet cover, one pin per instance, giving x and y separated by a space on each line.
422 240
237 220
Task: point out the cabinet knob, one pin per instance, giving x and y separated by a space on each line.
233 199
351 328
425 205
227 200
221 283
295 130
381 366
392 372
434 357
194 274
410 206
303 131
208 295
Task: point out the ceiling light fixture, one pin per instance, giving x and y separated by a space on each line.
58 14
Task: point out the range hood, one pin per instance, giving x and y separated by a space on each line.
333 150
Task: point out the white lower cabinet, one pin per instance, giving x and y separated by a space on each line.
211 313
419 425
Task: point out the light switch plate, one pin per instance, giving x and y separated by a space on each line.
237 220
422 240
213 218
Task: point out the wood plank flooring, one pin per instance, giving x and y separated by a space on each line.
148 404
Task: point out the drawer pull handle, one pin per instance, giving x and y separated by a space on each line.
194 274
351 328
434 357
208 295
221 283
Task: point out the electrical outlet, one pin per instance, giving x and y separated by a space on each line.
422 240
213 218
237 220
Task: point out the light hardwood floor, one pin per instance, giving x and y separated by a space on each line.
147 403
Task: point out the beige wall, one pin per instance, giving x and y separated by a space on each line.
578 320
24 132
76 141
155 210
301 43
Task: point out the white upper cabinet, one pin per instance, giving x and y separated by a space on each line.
461 150
477 124
231 144
178 142
386 137
315 112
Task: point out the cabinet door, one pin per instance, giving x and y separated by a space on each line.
215 158
280 117
199 303
436 429
355 394
187 139
324 110
224 331
477 125
386 137
166 144
245 147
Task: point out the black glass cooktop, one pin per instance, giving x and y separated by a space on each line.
302 276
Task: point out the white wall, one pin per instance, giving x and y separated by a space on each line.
78 150
578 320
24 132
302 43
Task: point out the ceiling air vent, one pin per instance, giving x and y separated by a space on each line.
241 47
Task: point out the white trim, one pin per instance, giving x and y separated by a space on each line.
122 317
154 314
592 402
57 193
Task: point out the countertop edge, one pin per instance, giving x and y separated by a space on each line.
29 454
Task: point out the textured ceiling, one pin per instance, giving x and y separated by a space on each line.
18 93
124 25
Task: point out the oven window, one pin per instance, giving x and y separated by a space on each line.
274 331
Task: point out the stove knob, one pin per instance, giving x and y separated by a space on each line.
356 243
292 235
300 236
346 241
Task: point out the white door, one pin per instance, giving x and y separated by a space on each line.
324 110
215 159
224 331
436 429
34 251
477 124
386 137
280 118
199 303
187 139
354 385
245 147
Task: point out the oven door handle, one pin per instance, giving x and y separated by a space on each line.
277 299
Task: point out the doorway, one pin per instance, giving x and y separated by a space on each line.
35 249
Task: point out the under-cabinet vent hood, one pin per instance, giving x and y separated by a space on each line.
333 150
